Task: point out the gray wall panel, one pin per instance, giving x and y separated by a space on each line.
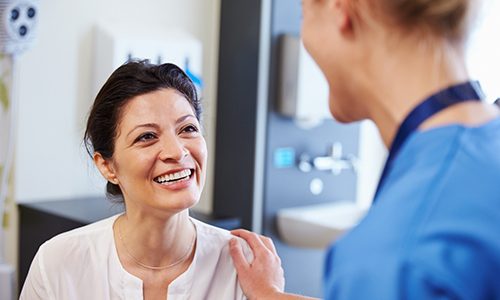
236 109
235 148
290 187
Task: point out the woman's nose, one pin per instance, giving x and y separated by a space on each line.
173 149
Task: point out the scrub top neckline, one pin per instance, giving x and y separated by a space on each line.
432 135
457 93
476 128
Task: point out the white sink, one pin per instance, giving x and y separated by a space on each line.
317 226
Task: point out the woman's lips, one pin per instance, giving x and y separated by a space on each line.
173 178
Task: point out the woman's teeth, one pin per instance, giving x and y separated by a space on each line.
173 178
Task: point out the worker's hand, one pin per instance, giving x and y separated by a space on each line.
263 278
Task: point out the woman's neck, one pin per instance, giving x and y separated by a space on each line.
156 241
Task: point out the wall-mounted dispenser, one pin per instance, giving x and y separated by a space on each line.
114 45
19 26
303 90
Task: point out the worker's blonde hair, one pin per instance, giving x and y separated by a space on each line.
449 19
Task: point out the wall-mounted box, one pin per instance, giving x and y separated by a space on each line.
114 45
303 89
19 25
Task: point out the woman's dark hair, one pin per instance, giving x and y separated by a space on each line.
130 80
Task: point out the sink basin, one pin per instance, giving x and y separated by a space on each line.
317 226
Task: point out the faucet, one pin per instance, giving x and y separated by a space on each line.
334 162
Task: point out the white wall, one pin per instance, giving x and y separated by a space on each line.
372 157
483 54
56 83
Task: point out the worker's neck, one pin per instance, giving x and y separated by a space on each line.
402 77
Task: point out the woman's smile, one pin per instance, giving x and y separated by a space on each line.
176 179
160 154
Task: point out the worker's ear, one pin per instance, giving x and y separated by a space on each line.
344 14
105 166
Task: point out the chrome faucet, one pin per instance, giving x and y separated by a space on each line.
334 162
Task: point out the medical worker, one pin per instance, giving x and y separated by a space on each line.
434 229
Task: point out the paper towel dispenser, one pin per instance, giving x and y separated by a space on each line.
303 89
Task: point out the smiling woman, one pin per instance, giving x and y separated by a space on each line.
144 136
158 140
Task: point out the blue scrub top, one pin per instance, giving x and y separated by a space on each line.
434 232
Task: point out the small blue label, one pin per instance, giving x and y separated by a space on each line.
284 157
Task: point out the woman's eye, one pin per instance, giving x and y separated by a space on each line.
190 128
146 137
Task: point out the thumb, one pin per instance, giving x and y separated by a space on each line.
240 262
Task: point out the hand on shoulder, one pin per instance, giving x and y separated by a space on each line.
264 277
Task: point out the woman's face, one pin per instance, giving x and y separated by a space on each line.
160 154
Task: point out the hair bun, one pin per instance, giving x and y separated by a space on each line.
446 18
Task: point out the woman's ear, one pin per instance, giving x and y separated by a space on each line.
105 167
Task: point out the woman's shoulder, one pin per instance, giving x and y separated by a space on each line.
212 236
95 228
208 229
212 232
61 262
80 240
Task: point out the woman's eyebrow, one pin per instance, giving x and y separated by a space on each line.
181 119
156 126
149 125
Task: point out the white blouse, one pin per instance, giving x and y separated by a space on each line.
83 264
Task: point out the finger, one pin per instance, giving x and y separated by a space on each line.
268 242
252 239
240 262
239 232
